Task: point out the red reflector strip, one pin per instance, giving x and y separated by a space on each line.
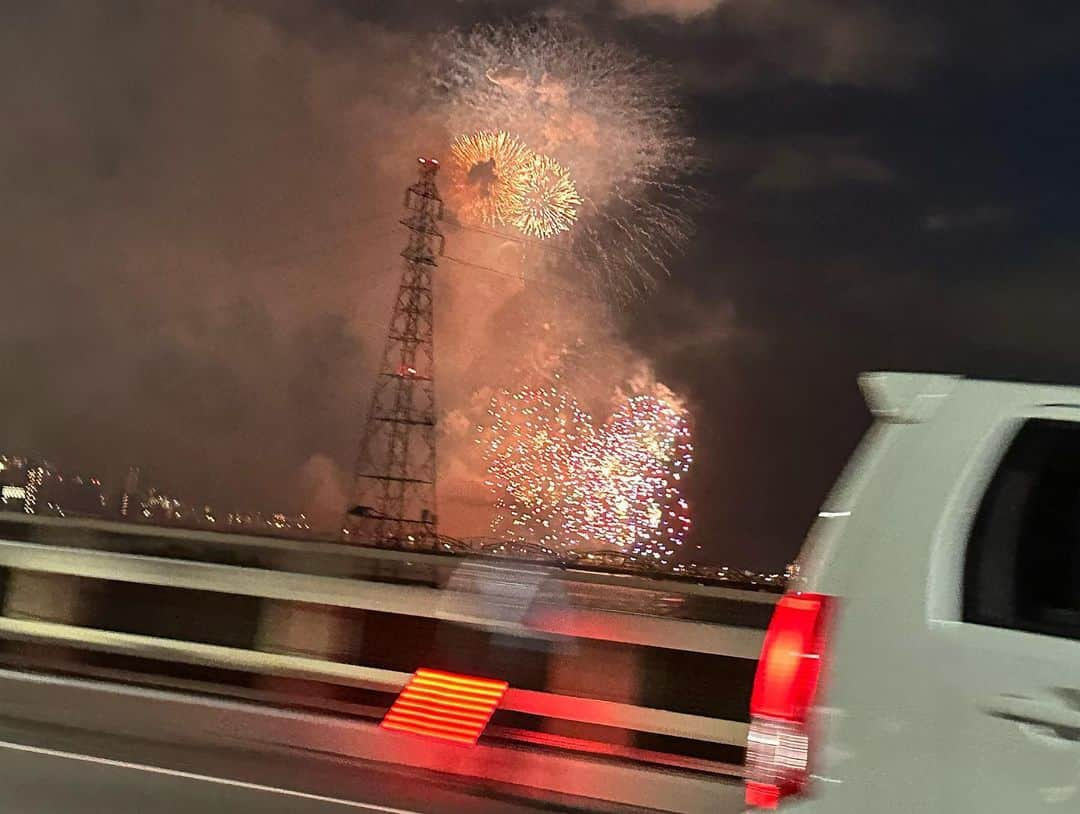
445 705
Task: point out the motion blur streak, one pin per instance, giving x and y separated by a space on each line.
140 767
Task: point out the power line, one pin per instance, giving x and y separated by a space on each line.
281 261
525 241
298 239
489 269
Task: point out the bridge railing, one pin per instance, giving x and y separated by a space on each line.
633 687
695 587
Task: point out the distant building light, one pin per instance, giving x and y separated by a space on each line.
34 479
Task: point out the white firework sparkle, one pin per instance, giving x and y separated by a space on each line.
606 114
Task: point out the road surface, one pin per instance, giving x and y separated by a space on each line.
55 771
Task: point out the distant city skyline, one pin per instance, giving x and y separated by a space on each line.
38 486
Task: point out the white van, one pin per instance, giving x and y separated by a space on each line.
927 657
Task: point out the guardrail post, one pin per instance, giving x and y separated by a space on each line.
46 597
594 669
302 629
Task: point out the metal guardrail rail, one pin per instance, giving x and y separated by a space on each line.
319 557
551 705
723 640
64 612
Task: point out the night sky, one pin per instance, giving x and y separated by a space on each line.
887 186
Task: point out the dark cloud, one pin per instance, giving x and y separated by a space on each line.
740 43
813 166
979 217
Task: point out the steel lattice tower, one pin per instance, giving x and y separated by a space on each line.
393 500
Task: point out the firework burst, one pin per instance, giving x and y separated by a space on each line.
532 447
564 484
645 453
549 199
606 114
488 176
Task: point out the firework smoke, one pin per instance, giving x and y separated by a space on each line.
603 203
605 114
280 256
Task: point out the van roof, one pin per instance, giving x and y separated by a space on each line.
906 398
912 398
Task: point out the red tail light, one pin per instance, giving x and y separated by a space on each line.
445 705
784 689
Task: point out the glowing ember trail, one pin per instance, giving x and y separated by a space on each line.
549 201
561 483
488 177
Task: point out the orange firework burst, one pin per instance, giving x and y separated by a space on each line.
488 176
549 199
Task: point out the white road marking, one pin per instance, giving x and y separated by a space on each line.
141 767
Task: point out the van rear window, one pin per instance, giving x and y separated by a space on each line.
1023 561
